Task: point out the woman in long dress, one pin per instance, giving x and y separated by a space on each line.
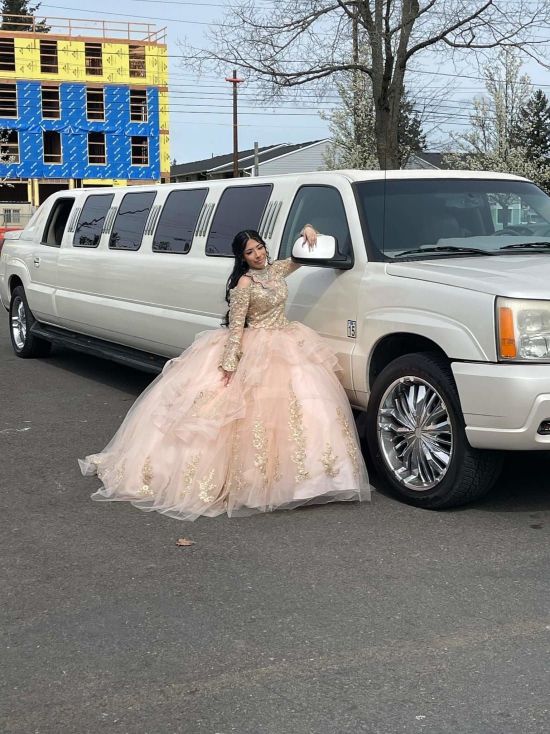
246 419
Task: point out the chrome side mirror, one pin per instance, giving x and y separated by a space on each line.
325 249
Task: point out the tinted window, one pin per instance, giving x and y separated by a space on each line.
57 221
239 208
404 215
323 208
130 221
91 220
178 221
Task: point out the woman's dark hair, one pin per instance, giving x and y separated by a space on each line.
241 266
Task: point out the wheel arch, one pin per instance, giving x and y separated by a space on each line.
14 282
392 346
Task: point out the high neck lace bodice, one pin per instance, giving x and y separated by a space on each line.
259 306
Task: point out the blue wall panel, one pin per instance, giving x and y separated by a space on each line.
74 127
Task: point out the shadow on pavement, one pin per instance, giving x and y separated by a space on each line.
126 379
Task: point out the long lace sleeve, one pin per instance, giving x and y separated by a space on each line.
284 267
239 299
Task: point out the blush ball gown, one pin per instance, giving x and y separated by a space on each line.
281 434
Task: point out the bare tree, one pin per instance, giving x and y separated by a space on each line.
491 143
6 154
296 42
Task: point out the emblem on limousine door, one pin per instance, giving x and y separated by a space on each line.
352 329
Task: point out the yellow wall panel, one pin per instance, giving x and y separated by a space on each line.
27 59
164 153
115 63
164 119
71 60
157 65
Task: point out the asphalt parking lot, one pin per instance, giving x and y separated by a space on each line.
377 618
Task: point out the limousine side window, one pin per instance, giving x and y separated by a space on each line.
240 207
57 221
130 221
91 220
178 221
322 207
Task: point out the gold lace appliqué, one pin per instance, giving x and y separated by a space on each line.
328 461
297 435
206 485
205 405
189 473
259 441
239 299
235 482
147 478
349 439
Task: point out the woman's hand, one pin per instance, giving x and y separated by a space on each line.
310 237
226 377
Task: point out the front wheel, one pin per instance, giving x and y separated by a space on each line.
416 436
24 343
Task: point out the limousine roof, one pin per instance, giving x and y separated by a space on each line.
320 176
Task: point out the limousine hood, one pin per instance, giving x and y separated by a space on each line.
514 276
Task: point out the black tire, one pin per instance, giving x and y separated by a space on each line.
24 343
469 474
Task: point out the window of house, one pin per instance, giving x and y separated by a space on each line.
52 146
95 103
138 105
240 207
7 54
8 100
51 106
48 57
321 206
130 221
9 146
137 61
178 220
12 216
91 220
96 148
57 221
140 150
93 56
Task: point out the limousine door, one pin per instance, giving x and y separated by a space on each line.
44 262
104 269
192 258
325 299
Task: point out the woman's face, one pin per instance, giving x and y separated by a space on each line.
255 254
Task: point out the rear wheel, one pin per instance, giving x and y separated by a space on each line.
21 320
416 436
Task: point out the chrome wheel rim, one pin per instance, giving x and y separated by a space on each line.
415 433
19 323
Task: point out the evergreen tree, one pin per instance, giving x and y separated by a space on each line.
12 8
532 128
410 134
352 128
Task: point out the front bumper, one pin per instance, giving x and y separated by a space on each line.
504 404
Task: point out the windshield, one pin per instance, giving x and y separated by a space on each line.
453 217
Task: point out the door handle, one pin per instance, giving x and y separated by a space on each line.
36 262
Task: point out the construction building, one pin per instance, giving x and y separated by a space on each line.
82 103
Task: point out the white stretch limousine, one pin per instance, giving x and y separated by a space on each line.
436 298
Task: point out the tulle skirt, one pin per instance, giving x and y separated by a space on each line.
281 434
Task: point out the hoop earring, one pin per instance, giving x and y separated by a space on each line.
269 260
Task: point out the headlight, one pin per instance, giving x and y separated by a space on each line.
523 330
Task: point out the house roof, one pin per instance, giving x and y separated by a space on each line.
224 163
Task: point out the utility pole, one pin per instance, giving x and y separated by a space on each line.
256 160
234 81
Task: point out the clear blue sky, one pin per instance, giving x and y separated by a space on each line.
200 108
